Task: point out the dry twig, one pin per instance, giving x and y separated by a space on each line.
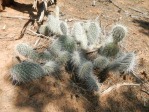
120 9
37 42
37 34
136 10
116 87
18 17
145 92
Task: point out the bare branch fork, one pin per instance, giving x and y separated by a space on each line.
44 8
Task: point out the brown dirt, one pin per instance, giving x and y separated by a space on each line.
50 95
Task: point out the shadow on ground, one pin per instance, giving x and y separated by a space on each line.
144 24
38 94
69 98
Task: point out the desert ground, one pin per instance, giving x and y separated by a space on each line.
51 95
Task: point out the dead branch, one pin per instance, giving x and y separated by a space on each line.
37 42
145 92
5 39
117 86
37 34
137 77
35 4
136 10
43 9
18 17
18 59
116 6
41 16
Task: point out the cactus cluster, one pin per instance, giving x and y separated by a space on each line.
111 47
70 49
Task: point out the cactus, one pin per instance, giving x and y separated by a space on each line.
43 29
51 67
87 77
86 26
54 25
45 56
27 51
91 84
76 59
125 63
64 28
85 70
23 49
68 43
55 48
75 62
109 50
100 62
65 51
93 33
77 31
26 71
84 44
118 33
79 34
130 59
56 11
63 57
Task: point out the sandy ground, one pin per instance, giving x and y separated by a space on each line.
50 95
